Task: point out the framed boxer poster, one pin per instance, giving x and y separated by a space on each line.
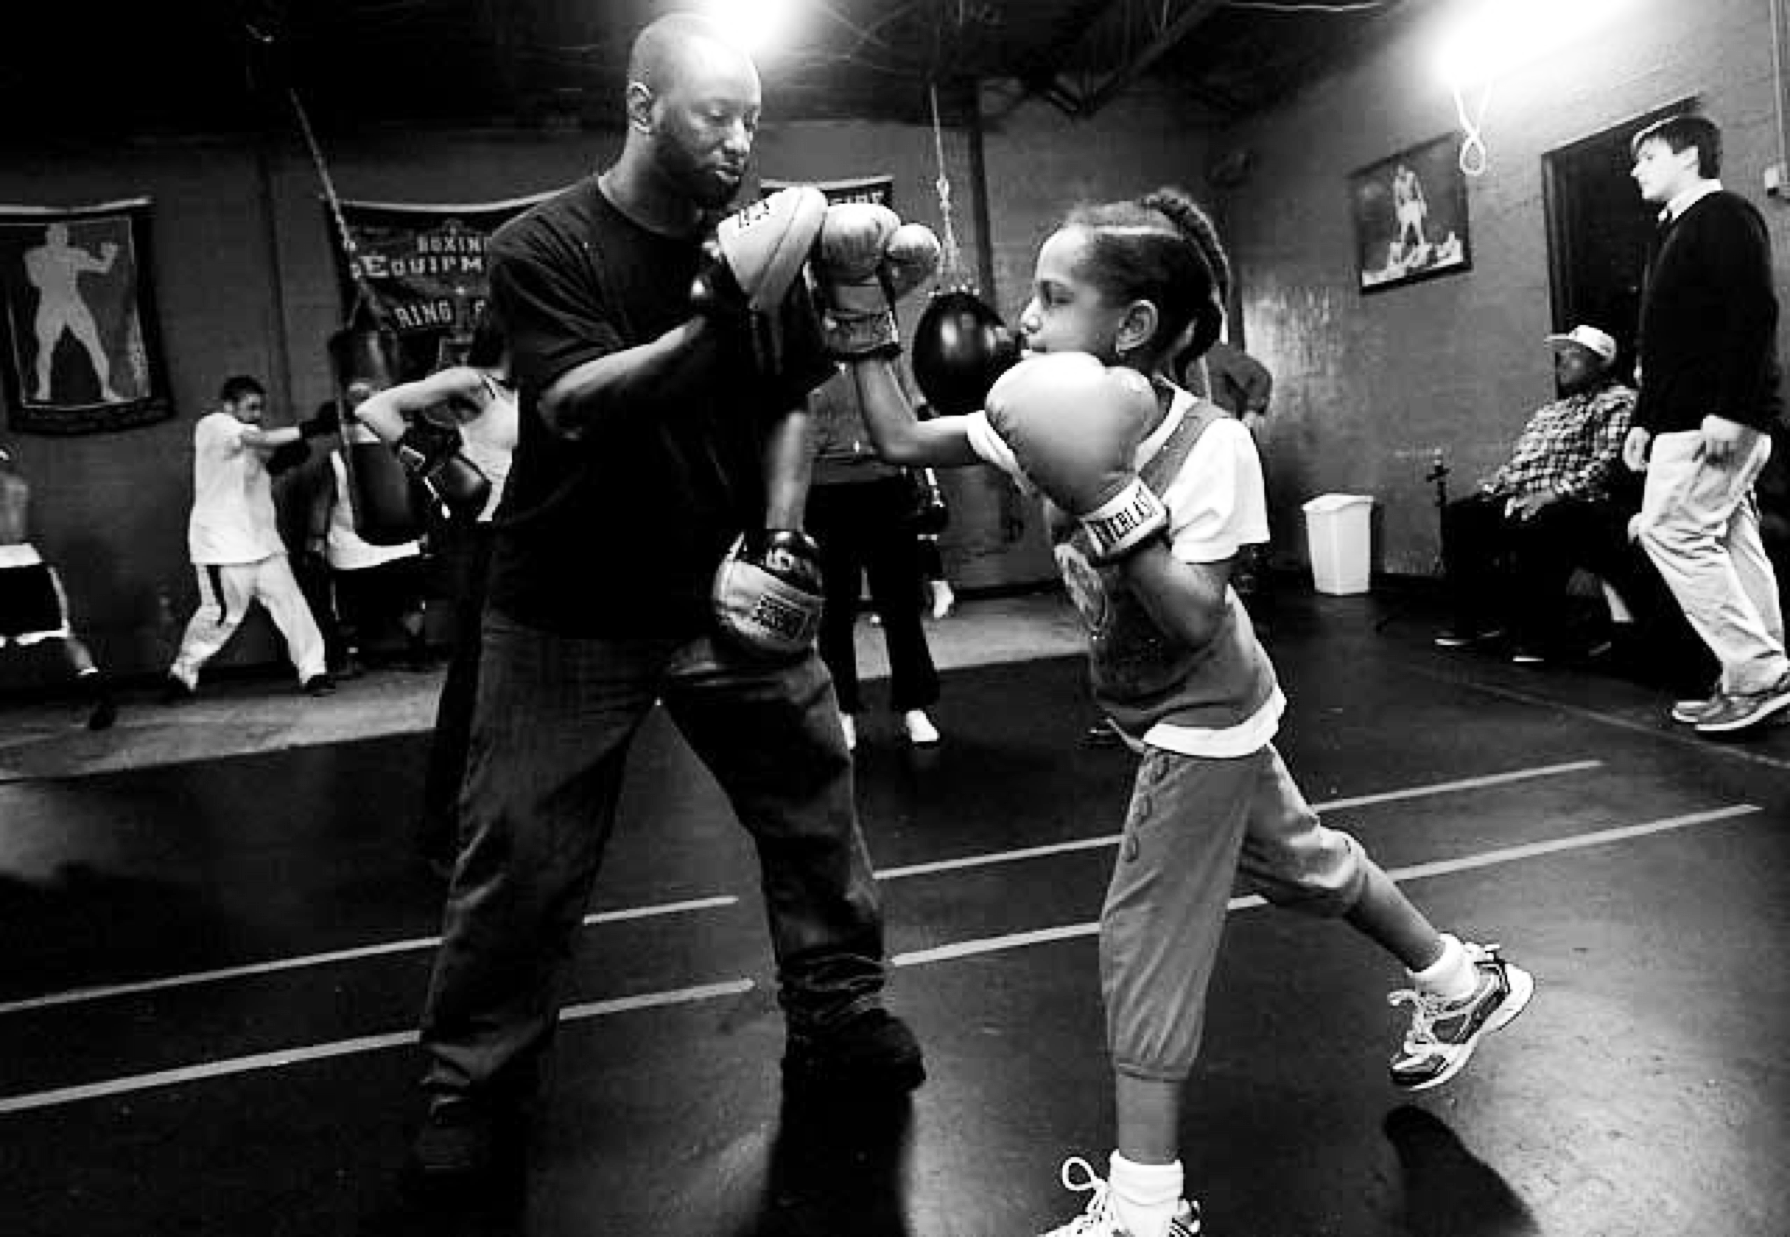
1410 213
80 353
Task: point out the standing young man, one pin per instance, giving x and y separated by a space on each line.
233 537
1709 375
650 417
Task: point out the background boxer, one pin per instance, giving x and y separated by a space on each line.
479 399
33 607
233 537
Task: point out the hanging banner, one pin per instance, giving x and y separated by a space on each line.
81 353
426 265
877 189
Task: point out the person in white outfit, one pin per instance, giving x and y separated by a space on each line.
234 540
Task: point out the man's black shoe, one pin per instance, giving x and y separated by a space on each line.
319 685
463 1143
872 1051
174 691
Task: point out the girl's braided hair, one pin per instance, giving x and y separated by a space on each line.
1163 248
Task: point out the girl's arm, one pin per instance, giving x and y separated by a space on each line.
897 434
387 413
1187 600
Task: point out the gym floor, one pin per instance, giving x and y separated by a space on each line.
216 939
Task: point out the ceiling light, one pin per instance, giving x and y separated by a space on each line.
759 26
1495 37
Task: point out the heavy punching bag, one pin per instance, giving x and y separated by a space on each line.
387 508
959 348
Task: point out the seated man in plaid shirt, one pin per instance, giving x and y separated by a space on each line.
1509 549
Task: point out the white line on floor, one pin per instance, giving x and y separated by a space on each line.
942 953
339 955
1331 805
1491 858
338 1048
415 944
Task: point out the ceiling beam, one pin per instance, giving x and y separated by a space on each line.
1087 103
1192 16
1070 27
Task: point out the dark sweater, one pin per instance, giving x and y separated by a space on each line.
1709 317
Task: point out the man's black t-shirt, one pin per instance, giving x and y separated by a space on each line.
617 534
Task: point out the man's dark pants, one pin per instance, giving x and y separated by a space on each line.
1502 569
553 723
863 533
466 553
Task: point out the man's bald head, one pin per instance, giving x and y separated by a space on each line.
693 101
667 49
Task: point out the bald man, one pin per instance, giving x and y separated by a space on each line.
645 430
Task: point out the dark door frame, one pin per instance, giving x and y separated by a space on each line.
1560 229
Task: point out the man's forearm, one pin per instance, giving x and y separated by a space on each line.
644 379
269 440
788 468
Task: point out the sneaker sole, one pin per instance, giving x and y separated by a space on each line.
1690 716
1770 707
1522 987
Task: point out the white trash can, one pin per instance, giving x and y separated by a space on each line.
1337 531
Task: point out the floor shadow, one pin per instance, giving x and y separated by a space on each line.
1449 1192
87 925
837 1166
496 1205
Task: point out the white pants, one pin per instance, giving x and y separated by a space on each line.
1700 526
225 594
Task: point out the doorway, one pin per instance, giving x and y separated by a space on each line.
1598 231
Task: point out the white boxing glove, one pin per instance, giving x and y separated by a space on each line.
1074 426
767 595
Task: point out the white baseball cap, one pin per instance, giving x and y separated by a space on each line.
1589 338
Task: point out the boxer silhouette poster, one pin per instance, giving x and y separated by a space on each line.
80 353
1410 214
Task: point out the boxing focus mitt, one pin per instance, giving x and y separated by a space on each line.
754 266
1074 426
767 595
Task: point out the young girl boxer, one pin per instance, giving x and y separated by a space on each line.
1151 496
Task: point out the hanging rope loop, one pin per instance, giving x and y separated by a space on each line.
951 267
